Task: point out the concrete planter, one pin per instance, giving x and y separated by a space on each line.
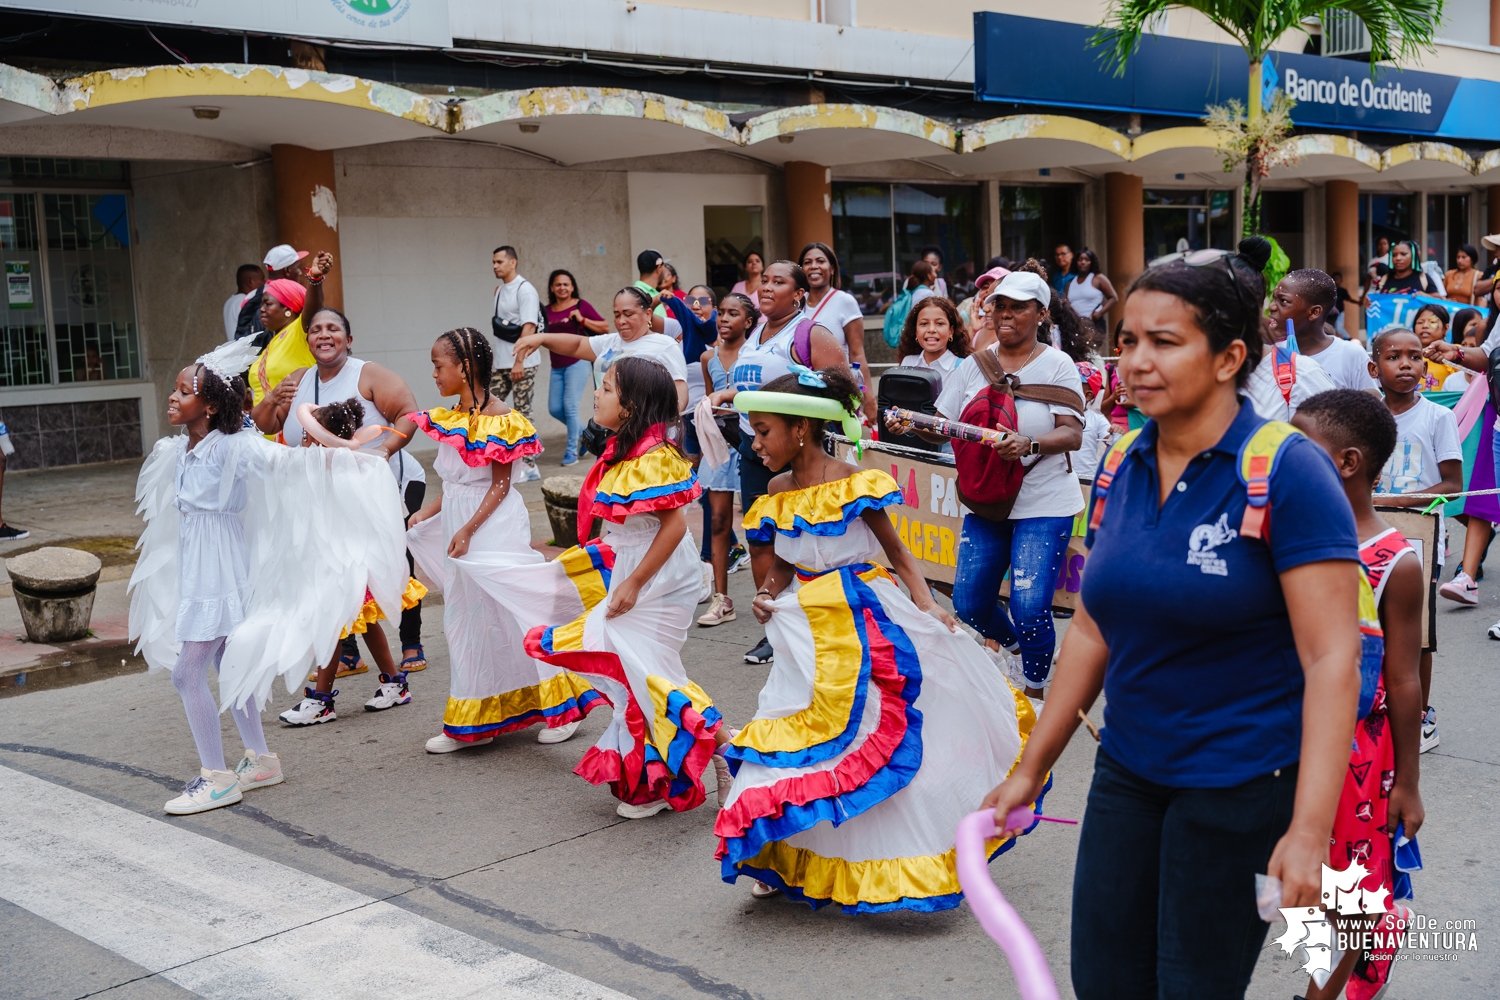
54 590
560 494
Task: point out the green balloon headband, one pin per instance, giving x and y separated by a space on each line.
794 405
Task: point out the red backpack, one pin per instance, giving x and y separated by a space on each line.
988 484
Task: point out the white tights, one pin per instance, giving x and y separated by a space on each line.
190 678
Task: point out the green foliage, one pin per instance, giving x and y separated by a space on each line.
1399 29
1277 267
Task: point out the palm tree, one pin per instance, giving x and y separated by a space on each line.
1398 29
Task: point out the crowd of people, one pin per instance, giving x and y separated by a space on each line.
1235 425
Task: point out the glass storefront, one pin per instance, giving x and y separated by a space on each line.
1035 220
68 271
1177 220
1383 220
880 230
1447 228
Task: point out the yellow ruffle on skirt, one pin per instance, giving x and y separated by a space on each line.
371 612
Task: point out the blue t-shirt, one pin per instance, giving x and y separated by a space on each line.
1203 685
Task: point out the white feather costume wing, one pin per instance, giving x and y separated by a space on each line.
153 583
325 524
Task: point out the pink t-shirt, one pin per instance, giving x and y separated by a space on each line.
558 322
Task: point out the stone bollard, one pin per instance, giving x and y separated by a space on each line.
560 494
54 589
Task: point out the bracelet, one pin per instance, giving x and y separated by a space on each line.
762 591
314 281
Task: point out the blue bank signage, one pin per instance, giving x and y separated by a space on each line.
1027 60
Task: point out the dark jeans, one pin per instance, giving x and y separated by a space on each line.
1164 886
755 477
1032 549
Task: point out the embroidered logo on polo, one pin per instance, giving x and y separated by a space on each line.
1203 542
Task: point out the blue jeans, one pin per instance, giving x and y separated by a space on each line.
1164 885
1032 549
563 393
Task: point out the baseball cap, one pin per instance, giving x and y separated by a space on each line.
282 256
991 276
1020 286
648 260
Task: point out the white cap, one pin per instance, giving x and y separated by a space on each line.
1491 242
1020 286
282 256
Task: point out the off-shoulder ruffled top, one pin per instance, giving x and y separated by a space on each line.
826 510
480 439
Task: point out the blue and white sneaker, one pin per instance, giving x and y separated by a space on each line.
529 473
1429 730
210 790
392 692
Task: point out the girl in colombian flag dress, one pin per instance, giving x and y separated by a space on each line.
880 723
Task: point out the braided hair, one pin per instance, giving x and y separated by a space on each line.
839 386
475 358
342 419
227 398
752 309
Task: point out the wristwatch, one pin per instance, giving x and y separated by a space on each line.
1036 447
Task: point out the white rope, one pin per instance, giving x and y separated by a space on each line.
1437 496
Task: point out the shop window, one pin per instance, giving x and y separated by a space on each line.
1177 220
24 358
729 233
1384 219
1447 228
1281 219
1035 220
31 169
93 299
880 230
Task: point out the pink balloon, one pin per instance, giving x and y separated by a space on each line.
998 918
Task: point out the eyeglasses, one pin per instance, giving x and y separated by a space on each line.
700 300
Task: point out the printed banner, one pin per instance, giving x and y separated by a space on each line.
1400 309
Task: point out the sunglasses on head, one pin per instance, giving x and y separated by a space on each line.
700 300
1206 258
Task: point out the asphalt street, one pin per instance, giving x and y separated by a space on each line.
379 870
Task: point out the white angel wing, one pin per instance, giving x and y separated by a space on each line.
153 583
324 525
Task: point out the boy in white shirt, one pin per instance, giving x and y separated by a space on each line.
1306 297
1428 459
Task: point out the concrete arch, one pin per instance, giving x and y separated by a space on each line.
837 134
1026 142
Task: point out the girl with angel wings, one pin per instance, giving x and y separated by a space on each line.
253 560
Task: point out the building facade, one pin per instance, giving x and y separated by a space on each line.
142 161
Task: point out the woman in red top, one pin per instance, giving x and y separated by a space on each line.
567 313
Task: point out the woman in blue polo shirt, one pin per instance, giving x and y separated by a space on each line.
1228 663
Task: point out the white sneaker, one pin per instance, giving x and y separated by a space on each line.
558 734
257 770
310 711
708 582
392 692
1010 667
720 610
1494 632
529 473
1461 590
443 743
640 812
1429 730
210 790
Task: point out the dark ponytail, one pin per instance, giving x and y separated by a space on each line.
1226 296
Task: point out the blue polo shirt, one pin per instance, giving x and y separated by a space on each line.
1203 683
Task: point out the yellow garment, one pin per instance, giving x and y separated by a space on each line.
1437 374
286 352
833 503
371 613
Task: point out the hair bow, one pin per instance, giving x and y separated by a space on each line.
806 376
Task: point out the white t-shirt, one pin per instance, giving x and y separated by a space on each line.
1265 394
232 313
516 302
609 347
1426 434
1458 381
943 365
837 310
1347 364
1049 489
1095 432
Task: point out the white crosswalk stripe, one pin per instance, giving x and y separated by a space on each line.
229 925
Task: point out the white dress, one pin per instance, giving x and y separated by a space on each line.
494 593
213 567
877 730
661 735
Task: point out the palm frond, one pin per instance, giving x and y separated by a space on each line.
1399 29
